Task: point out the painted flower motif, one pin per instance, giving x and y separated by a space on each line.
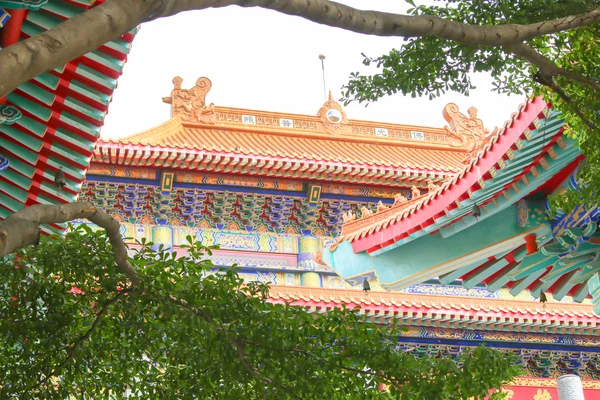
542 395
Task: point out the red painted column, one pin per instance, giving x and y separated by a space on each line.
12 32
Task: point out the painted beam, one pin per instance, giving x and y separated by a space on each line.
450 277
523 283
485 272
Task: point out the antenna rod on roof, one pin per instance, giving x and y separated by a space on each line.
322 58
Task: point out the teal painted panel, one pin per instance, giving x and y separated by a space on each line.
67 168
522 284
485 273
18 179
20 4
10 203
84 108
561 291
106 60
38 93
450 277
28 155
31 29
89 92
63 8
20 166
48 80
76 140
23 139
36 109
19 194
119 45
428 252
97 77
533 263
79 124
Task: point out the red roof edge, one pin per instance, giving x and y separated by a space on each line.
511 133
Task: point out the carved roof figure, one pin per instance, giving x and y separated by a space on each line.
431 186
381 206
415 192
468 131
399 199
191 104
348 216
365 212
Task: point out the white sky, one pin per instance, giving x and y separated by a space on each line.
263 60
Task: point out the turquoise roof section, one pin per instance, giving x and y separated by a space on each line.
513 243
60 113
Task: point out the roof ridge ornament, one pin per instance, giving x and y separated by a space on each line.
190 104
467 131
333 117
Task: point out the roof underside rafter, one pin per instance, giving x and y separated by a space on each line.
61 112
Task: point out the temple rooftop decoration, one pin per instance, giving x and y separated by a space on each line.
327 146
54 120
489 223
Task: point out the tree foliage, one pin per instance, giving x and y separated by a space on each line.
71 324
562 66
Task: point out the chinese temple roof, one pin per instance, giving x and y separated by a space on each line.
445 311
486 174
328 146
53 121
489 220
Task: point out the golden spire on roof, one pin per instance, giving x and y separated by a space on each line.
191 104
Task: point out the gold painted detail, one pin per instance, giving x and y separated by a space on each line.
552 153
528 134
561 143
510 154
502 163
546 111
535 172
544 163
542 395
519 144
493 172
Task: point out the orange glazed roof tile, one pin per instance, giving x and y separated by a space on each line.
326 146
482 311
301 146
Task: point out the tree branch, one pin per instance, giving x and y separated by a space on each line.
89 30
546 66
254 372
73 348
22 229
549 82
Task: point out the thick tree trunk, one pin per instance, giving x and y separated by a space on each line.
85 32
23 229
